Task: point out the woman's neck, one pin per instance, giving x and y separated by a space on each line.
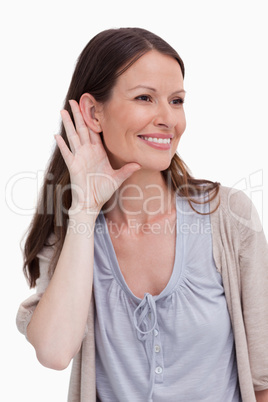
144 197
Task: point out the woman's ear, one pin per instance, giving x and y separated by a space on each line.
90 110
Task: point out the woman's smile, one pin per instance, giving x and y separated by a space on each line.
157 141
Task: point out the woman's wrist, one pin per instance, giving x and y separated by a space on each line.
85 212
82 222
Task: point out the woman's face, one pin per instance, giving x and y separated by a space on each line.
144 118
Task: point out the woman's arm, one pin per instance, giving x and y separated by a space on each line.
58 323
262 396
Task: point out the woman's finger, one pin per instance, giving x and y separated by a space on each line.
95 137
65 152
125 172
72 136
81 127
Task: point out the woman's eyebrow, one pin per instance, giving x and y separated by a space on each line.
153 89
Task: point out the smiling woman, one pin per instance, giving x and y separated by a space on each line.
144 112
151 280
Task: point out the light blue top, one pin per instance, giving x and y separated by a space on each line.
177 346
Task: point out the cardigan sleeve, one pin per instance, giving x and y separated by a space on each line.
253 262
28 306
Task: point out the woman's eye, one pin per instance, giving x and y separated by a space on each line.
178 101
145 98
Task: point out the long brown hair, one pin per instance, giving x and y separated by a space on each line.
108 55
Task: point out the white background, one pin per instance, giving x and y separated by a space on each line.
224 47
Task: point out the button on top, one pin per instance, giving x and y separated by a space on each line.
158 370
156 332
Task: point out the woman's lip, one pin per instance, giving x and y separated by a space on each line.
157 135
155 145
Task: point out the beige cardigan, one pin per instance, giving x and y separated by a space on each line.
241 255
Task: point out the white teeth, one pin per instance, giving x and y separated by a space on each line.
157 140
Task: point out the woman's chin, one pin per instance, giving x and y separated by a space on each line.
159 167
149 164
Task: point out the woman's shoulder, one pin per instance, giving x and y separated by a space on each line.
231 196
48 249
236 207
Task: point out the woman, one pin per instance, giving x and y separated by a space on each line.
179 264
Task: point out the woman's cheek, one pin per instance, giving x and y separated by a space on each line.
181 126
143 117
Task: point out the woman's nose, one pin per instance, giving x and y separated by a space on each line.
164 116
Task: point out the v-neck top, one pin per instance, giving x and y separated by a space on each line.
240 251
177 345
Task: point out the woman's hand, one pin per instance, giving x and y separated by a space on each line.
93 180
